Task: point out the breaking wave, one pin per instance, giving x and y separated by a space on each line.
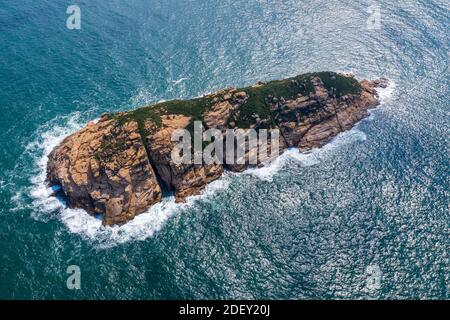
315 156
386 94
306 159
78 221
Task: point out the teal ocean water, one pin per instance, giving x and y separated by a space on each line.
373 204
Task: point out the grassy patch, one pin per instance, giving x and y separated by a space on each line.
290 88
256 105
343 85
193 108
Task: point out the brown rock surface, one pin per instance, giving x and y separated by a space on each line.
121 165
103 168
183 179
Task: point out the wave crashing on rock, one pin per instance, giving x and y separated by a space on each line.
121 165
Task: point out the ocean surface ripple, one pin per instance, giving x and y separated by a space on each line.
318 225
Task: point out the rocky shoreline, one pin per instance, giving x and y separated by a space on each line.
121 165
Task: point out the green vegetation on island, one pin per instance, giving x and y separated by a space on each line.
256 106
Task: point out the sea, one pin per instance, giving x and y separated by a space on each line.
365 217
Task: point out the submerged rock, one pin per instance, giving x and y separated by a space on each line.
121 165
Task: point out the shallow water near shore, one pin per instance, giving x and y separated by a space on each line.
308 226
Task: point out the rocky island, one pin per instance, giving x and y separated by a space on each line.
121 165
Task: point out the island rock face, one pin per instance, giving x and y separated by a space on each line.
121 165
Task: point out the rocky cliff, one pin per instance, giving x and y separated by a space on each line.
121 165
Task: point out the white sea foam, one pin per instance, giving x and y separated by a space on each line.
385 94
144 225
79 221
306 159
316 155
39 150
141 227
176 82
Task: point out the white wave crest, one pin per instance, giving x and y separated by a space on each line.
48 137
176 82
385 94
306 159
141 227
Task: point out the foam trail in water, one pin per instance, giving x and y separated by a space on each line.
176 82
306 159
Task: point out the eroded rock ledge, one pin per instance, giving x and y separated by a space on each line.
121 165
